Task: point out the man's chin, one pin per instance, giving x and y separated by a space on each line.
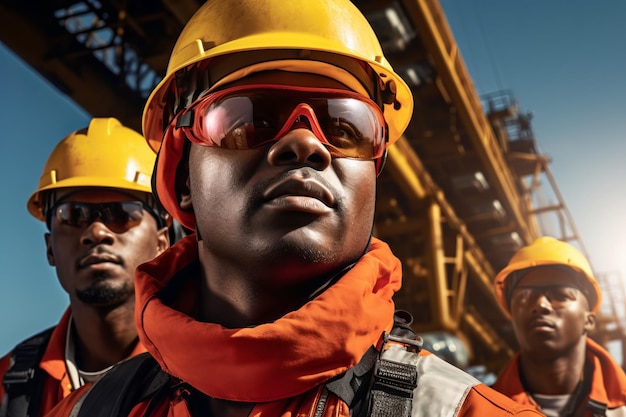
103 297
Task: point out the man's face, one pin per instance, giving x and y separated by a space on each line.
550 315
95 262
288 208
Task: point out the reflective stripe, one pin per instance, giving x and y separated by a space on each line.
441 387
616 412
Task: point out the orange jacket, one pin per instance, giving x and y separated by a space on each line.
608 385
57 384
281 367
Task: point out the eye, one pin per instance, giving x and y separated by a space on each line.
236 138
521 294
344 135
77 215
562 294
134 215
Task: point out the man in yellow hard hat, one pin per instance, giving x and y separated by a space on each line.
273 121
550 292
95 197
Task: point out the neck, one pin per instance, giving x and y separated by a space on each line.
237 297
103 336
555 375
238 303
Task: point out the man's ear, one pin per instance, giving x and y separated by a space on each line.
590 322
183 182
185 196
49 253
163 239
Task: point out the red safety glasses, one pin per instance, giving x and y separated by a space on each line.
118 216
246 117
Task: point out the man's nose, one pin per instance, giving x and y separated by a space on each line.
541 302
299 146
97 232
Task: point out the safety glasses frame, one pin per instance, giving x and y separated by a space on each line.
118 216
301 103
557 295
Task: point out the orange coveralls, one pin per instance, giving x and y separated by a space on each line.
608 385
281 367
57 384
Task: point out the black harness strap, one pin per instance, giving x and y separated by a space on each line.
392 391
377 387
124 386
351 386
23 382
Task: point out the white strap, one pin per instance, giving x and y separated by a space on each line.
441 387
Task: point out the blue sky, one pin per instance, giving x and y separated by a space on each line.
564 60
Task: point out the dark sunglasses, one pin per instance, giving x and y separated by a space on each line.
558 295
118 216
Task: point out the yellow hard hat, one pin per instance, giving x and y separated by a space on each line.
105 155
278 30
547 251
225 41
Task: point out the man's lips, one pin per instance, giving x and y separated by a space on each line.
299 187
541 324
97 259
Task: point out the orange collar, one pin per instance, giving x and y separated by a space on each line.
608 380
276 360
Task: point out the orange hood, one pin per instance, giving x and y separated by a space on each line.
271 361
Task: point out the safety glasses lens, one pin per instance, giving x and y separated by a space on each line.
244 118
118 216
557 295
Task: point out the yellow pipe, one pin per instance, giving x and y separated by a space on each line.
440 303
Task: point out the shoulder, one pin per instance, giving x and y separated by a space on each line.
65 406
485 401
71 405
25 356
123 389
452 390
508 381
449 386
609 379
31 348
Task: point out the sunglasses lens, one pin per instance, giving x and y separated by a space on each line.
117 216
239 118
561 294
557 295
233 124
122 215
72 214
352 126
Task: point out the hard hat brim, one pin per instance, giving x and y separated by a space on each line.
34 205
